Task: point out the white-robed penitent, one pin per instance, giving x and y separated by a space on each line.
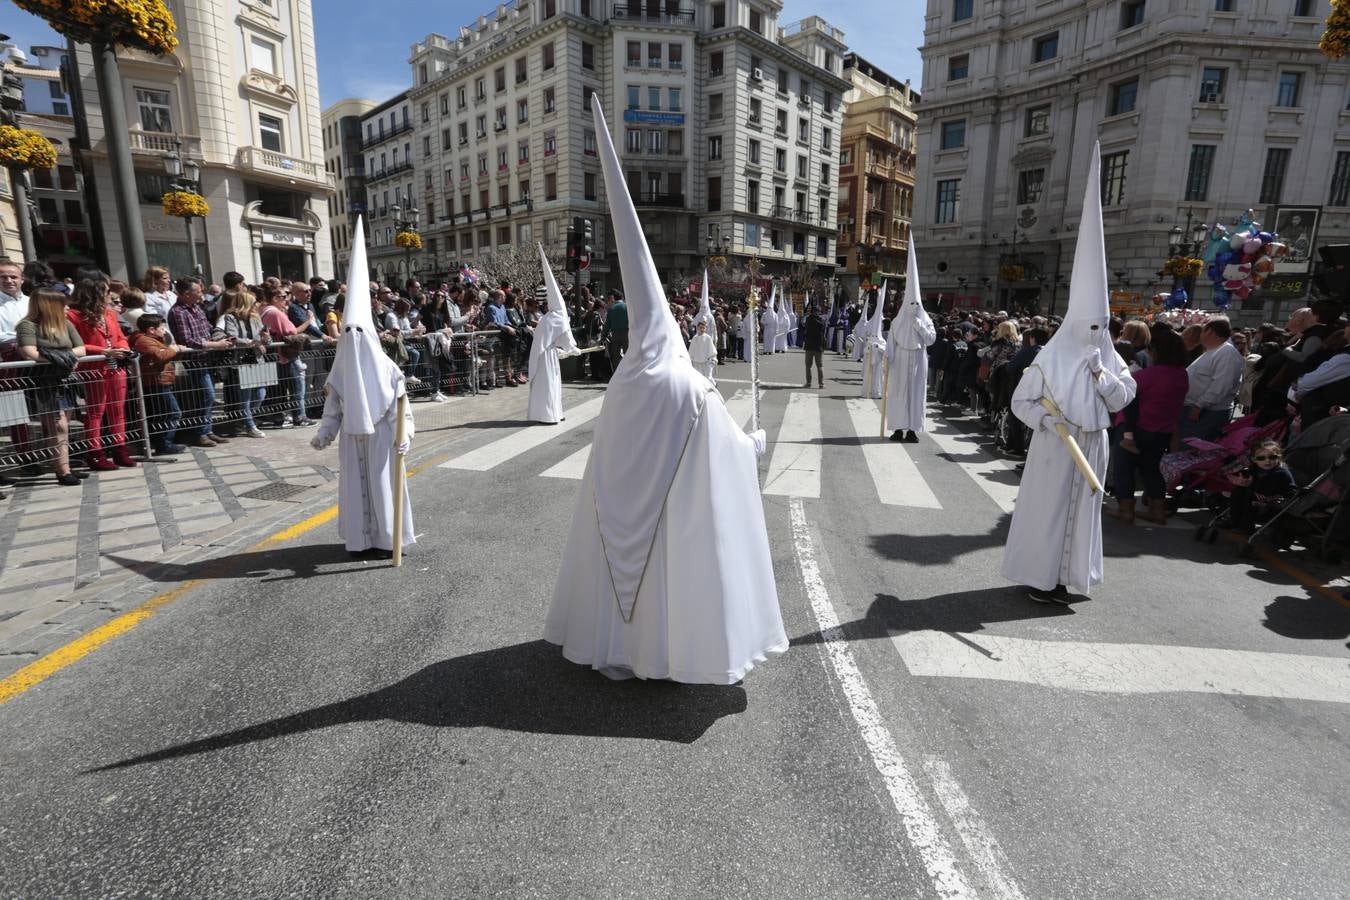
705 313
552 336
874 351
1056 533
911 334
703 347
859 330
671 478
360 411
768 324
780 345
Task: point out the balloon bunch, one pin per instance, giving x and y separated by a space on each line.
469 275
1240 261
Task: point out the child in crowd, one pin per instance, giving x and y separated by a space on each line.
1261 488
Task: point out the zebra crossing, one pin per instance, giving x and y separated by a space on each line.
906 476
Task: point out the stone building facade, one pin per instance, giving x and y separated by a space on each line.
346 163
1202 110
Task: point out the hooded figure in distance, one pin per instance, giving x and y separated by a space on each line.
860 329
703 346
874 363
671 478
912 333
705 313
769 321
1055 542
552 336
360 406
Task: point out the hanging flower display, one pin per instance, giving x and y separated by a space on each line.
185 204
22 148
144 24
1336 39
1184 267
408 240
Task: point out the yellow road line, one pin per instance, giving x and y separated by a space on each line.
34 673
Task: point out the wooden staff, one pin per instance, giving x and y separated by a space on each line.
596 349
398 478
885 391
1075 451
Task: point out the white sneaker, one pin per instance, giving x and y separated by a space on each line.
254 433
286 422
438 397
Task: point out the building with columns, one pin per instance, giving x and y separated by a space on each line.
344 161
876 173
1202 110
726 123
240 95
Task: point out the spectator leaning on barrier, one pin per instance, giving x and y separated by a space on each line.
105 387
239 320
1215 378
300 311
47 336
197 391
150 341
290 367
13 301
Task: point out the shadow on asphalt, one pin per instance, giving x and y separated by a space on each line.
282 564
525 687
1308 618
965 612
938 549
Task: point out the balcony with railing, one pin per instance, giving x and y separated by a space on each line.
389 172
385 134
652 198
788 213
158 143
653 14
262 162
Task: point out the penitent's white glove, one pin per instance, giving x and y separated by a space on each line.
404 447
1048 422
318 443
761 441
1094 359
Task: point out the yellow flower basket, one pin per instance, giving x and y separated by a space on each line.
182 204
21 148
144 24
1184 267
408 240
1336 39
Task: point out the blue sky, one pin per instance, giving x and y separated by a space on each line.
363 45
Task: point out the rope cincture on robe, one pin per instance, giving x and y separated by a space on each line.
600 531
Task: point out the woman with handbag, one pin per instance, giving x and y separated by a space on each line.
239 321
105 388
290 369
44 335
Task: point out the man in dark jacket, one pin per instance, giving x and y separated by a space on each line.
813 343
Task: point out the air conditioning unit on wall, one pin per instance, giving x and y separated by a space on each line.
756 74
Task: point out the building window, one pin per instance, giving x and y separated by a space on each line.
1340 181
1123 95
522 110
154 109
846 156
719 15
825 173
587 55
675 56
1113 178
550 143
479 89
1223 5
269 133
550 100
1211 84
804 130
463 132
426 112
756 21
523 152
715 63
822 245
550 8
962 10
751 234
634 97
780 123
826 138
1290 82
801 166
635 54
1029 183
953 135
1131 14
780 160
775 239
550 186
426 142
1303 7
586 94
752 196
653 55
1045 47
958 67
1272 177
656 141
1197 173
461 99
753 151
1038 121
262 56
714 106
715 147
633 140
714 194
676 99
755 108
548 55
948 199
782 81
522 70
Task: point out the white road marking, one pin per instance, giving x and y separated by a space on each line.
763 384
1126 668
984 471
493 454
896 477
794 470
921 827
574 466
984 850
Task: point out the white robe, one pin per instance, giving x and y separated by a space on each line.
909 376
1056 532
551 335
365 484
859 341
780 343
703 355
874 368
702 624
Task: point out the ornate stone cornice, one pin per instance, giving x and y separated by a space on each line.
269 88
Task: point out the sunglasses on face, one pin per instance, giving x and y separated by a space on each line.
1264 458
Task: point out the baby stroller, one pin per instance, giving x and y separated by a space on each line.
1320 461
1206 465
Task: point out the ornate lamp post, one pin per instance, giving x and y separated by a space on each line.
185 200
405 234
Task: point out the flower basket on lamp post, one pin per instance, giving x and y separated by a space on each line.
145 25
20 150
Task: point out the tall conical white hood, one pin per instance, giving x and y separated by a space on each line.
1063 361
874 323
705 314
911 308
364 377
652 333
555 297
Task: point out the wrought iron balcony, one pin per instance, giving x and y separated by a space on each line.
650 198
654 13
382 135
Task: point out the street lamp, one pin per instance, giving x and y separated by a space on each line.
185 175
406 225
716 246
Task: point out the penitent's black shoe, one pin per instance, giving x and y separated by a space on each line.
898 436
911 437
1059 595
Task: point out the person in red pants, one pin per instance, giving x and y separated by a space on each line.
105 383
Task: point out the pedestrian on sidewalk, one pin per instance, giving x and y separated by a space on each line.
361 408
157 378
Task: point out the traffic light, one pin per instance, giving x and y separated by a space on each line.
587 236
574 246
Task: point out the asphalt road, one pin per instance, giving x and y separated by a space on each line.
302 724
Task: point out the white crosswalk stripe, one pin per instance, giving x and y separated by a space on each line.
493 454
988 471
574 466
895 475
794 469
